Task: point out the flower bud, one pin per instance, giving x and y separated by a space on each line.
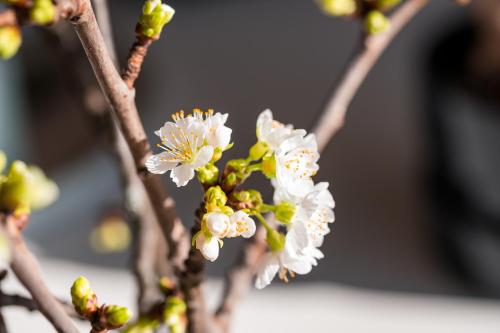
116 316
217 223
167 285
387 4
258 150
269 166
14 193
338 7
143 325
10 41
215 198
3 161
174 306
83 297
376 22
208 175
43 12
284 212
275 240
154 17
217 154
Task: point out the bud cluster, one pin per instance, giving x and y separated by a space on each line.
101 317
24 188
372 12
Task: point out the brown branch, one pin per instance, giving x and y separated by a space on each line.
191 284
139 210
26 268
239 278
333 115
122 102
136 57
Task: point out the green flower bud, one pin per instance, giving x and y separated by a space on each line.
112 235
143 325
43 190
275 240
338 7
174 306
387 4
258 150
116 316
179 328
15 190
208 175
227 210
284 212
154 17
215 198
83 297
376 22
43 12
217 154
269 166
3 161
10 41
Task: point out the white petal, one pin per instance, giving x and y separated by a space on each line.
245 225
182 174
203 156
218 224
268 271
209 249
297 239
265 117
158 164
299 266
222 137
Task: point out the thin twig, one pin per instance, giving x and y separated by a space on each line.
26 268
122 102
333 116
239 278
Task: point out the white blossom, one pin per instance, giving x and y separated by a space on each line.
272 132
220 225
218 135
287 262
296 163
185 151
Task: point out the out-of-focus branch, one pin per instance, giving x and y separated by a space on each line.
333 116
25 267
239 278
122 102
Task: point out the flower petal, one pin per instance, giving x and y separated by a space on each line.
203 156
268 271
208 248
159 164
182 174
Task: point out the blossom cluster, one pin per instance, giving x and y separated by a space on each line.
301 210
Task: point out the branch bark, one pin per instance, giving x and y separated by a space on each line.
333 116
122 101
147 237
26 268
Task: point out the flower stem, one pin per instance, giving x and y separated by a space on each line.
264 208
263 221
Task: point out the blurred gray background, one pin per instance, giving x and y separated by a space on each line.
240 57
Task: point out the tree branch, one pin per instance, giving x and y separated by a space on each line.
147 237
238 280
333 116
122 102
25 267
